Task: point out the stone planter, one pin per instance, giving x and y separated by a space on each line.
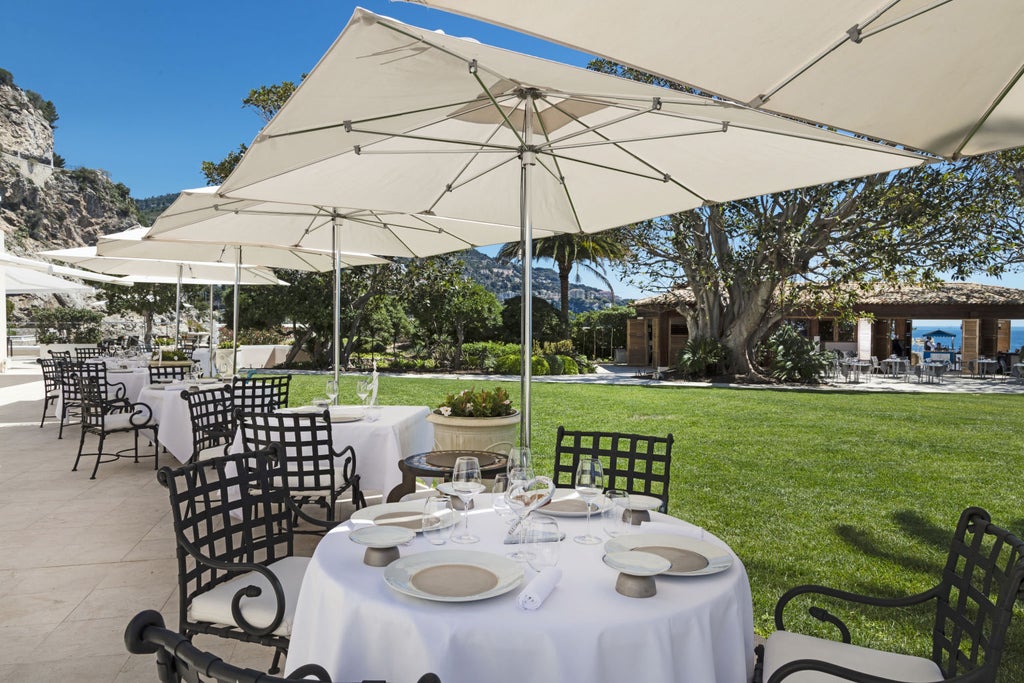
170 363
496 434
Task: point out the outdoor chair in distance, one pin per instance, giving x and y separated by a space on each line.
177 659
171 373
260 394
316 472
58 355
51 384
87 352
974 602
633 462
71 395
102 416
211 414
233 526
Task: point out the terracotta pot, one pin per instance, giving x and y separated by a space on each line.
496 434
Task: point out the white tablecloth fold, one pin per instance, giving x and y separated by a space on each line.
539 588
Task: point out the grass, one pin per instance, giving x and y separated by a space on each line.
854 490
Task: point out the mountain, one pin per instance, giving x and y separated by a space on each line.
151 207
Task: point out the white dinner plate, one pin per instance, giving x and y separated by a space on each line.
408 514
453 575
641 502
338 413
689 556
373 536
567 503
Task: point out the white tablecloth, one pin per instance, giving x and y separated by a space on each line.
171 413
400 432
695 630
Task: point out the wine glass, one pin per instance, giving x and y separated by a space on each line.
498 502
542 542
332 390
518 456
362 390
518 477
589 482
466 483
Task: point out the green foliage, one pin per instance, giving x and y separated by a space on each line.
217 172
555 364
59 161
259 335
601 330
472 403
569 366
701 357
151 207
563 346
45 107
66 325
508 364
170 355
539 366
6 78
792 358
484 356
267 99
546 324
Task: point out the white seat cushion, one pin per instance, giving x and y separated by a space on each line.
211 452
293 483
214 606
785 646
119 421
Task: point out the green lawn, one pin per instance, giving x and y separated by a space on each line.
855 490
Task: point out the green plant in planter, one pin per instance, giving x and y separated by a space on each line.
792 358
473 403
172 355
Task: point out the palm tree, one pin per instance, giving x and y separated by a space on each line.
568 250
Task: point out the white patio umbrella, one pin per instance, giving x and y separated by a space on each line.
140 243
26 281
157 270
399 118
938 75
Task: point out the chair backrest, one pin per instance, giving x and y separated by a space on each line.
232 509
874 362
92 392
167 372
60 354
982 579
68 379
634 462
261 394
211 414
308 445
86 352
178 659
51 374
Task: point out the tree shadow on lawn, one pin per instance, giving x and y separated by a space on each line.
912 524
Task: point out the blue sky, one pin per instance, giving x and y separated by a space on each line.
148 90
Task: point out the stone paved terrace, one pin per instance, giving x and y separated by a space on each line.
78 558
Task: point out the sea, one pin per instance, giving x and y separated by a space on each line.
1016 334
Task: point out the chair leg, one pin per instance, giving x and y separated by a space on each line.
63 417
135 435
81 444
99 454
275 666
156 446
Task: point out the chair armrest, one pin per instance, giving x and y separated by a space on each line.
120 392
142 414
247 592
824 615
296 509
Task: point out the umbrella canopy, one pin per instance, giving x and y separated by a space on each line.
51 269
166 270
936 333
937 75
202 213
399 118
137 243
26 281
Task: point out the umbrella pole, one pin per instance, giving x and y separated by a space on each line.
528 157
213 361
177 310
335 228
234 317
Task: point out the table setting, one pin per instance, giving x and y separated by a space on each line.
502 591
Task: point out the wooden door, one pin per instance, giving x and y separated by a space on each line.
971 336
637 349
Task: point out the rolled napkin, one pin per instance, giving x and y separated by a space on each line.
538 590
512 539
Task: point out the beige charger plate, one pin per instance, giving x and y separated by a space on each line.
453 575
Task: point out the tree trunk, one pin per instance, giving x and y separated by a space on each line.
460 337
564 270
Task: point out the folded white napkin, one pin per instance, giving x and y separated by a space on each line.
538 590
512 539
679 528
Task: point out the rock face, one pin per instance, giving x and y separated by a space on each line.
23 128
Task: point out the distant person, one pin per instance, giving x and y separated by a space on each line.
897 348
928 346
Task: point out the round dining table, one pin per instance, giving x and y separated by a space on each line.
696 628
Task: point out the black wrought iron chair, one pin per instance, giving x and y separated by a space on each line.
70 402
177 659
211 414
158 373
87 352
316 472
974 601
261 394
59 355
233 523
103 416
51 385
633 462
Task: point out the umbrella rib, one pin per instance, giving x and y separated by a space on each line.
667 136
588 128
463 183
427 138
988 112
557 173
859 34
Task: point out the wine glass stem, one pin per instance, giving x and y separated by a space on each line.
465 517
588 519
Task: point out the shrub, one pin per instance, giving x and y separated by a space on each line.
473 403
507 365
555 364
256 335
539 366
569 366
701 357
560 348
68 325
792 358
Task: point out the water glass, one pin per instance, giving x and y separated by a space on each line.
332 391
589 482
437 513
466 483
518 456
363 390
614 517
498 501
542 542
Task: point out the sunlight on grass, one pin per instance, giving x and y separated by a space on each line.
854 490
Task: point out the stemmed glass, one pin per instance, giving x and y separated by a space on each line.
498 501
589 483
517 477
518 456
466 483
363 390
332 390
